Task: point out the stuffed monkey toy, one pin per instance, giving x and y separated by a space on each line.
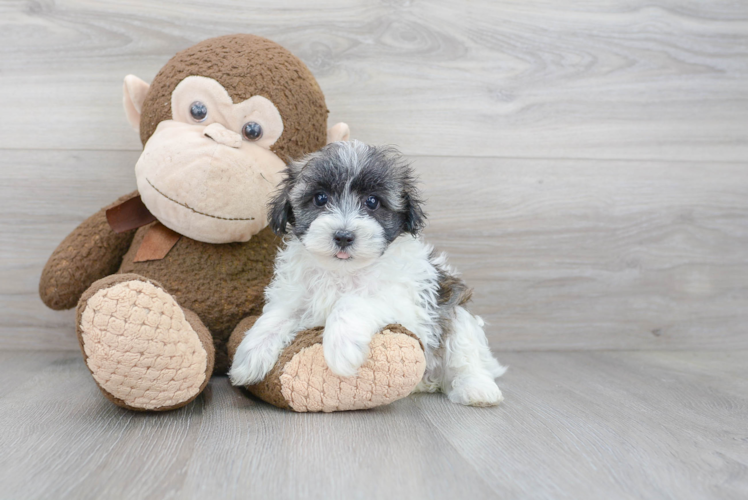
168 279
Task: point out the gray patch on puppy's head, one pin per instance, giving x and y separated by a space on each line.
348 176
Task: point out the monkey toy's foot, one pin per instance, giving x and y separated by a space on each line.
144 351
301 381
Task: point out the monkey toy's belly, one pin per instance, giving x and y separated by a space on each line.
221 283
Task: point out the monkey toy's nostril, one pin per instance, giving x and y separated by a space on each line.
222 135
344 239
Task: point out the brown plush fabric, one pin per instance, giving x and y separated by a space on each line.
87 254
222 284
203 334
238 334
206 338
247 65
270 389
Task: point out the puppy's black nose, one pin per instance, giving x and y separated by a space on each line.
343 238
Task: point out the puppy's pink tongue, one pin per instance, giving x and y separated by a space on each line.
342 255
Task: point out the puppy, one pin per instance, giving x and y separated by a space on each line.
354 263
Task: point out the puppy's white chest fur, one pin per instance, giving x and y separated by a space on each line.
398 287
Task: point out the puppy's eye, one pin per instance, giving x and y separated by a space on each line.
320 199
372 202
198 111
252 131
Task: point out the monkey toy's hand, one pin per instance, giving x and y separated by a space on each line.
92 251
302 381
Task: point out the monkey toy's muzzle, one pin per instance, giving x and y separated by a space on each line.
206 182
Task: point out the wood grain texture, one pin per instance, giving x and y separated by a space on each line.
562 254
610 425
591 254
589 425
634 79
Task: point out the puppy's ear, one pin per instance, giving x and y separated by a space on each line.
415 217
280 211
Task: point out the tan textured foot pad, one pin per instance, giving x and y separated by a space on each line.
140 348
302 381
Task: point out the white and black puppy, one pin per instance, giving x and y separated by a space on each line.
354 263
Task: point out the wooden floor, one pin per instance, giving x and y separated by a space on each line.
575 425
585 166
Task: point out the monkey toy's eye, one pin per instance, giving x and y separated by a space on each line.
198 111
320 199
252 131
372 202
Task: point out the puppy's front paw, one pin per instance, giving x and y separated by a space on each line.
344 353
252 362
475 391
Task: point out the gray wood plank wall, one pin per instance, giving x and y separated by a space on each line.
585 163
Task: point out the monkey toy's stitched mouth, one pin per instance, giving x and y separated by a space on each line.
193 210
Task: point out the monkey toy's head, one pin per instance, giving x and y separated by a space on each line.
218 124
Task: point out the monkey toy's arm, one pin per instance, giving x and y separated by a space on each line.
92 251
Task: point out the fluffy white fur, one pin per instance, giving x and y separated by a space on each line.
354 266
354 302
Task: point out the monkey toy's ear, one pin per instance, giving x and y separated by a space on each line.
134 91
338 132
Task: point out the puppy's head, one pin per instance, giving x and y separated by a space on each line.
347 202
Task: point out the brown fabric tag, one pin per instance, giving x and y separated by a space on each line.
156 243
128 215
